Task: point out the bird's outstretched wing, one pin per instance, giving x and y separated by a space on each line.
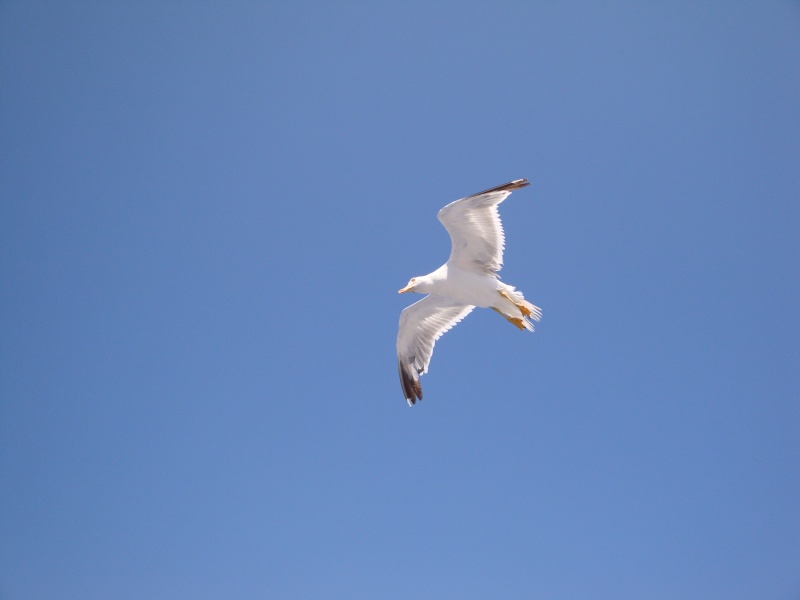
475 229
421 324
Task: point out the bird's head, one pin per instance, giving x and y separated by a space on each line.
416 284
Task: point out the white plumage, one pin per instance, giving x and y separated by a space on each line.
468 279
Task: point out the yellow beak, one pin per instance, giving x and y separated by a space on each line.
404 290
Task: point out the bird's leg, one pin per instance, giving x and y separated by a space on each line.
512 320
522 308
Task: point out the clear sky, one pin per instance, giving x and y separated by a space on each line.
208 209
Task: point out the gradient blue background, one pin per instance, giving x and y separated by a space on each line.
207 210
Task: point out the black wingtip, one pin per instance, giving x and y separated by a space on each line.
412 389
506 187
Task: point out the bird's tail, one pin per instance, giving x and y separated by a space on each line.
527 324
535 311
527 310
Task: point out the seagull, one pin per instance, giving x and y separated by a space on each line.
468 279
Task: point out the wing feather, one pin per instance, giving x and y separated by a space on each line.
475 229
421 324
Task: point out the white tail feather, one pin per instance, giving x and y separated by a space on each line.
528 325
518 298
536 312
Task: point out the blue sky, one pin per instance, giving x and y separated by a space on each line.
208 208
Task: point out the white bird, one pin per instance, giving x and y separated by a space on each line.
468 279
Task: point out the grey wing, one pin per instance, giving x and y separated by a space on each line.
421 324
475 229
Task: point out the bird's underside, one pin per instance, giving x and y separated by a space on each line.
468 279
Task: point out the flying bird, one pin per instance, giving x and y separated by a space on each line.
468 279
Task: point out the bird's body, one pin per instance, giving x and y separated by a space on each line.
469 287
468 279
